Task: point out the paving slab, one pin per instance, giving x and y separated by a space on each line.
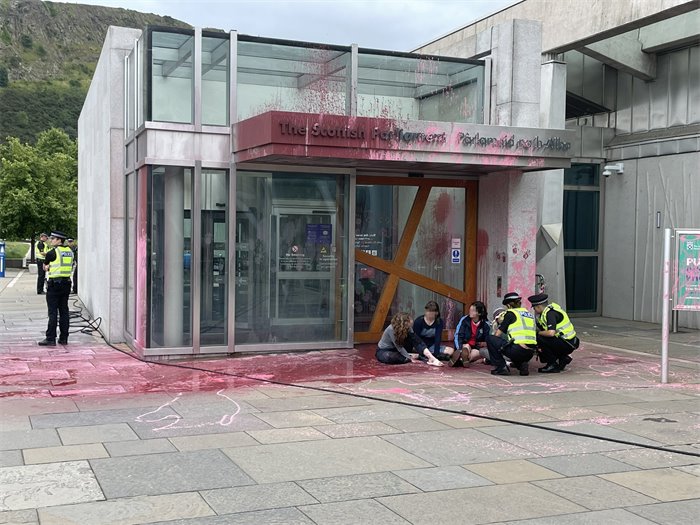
442 478
33 456
19 439
142 446
34 486
583 464
690 469
513 471
422 424
205 441
675 513
92 417
257 497
550 443
489 504
11 458
359 512
594 493
663 484
605 517
128 511
375 412
213 407
288 516
96 434
323 458
646 458
360 486
174 427
287 435
300 418
312 402
372 428
462 446
186 472
669 429
10 422
19 517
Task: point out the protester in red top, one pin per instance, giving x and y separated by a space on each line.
471 332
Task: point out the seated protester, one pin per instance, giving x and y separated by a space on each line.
519 326
398 342
428 327
556 337
470 335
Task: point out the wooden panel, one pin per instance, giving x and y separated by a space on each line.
413 181
385 299
412 277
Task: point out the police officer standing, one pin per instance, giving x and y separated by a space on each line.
42 246
518 325
73 246
59 263
556 337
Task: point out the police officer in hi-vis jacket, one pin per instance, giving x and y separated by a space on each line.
42 246
59 265
518 325
556 337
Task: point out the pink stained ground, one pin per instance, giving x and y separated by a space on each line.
94 369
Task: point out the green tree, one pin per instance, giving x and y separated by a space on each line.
38 186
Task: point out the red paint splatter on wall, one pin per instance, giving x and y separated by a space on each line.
442 208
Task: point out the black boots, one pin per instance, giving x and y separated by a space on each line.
503 371
551 368
563 361
47 342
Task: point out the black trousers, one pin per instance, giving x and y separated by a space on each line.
553 348
499 347
40 276
75 279
57 294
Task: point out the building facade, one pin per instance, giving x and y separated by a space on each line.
240 193
630 75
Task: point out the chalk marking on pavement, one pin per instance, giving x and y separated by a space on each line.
13 281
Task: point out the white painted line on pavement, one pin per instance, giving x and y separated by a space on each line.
13 281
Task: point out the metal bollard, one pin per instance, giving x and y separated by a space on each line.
2 258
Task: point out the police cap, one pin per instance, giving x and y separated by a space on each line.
511 297
540 298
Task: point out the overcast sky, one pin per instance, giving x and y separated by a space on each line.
399 25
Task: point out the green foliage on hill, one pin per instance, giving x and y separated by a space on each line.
48 53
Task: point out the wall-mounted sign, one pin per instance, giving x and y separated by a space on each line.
456 256
687 283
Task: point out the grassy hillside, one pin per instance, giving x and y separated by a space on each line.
48 53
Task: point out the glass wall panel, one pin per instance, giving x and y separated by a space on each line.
130 259
172 77
214 275
581 213
581 283
582 175
418 87
291 262
441 224
170 264
215 80
286 76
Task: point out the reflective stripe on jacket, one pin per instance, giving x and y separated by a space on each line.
522 331
565 328
62 265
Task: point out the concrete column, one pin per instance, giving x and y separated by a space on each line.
550 239
506 237
506 246
174 269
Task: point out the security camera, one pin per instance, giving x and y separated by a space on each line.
618 168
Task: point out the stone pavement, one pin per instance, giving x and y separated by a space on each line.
89 435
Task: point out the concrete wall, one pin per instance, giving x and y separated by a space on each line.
567 24
633 245
101 186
